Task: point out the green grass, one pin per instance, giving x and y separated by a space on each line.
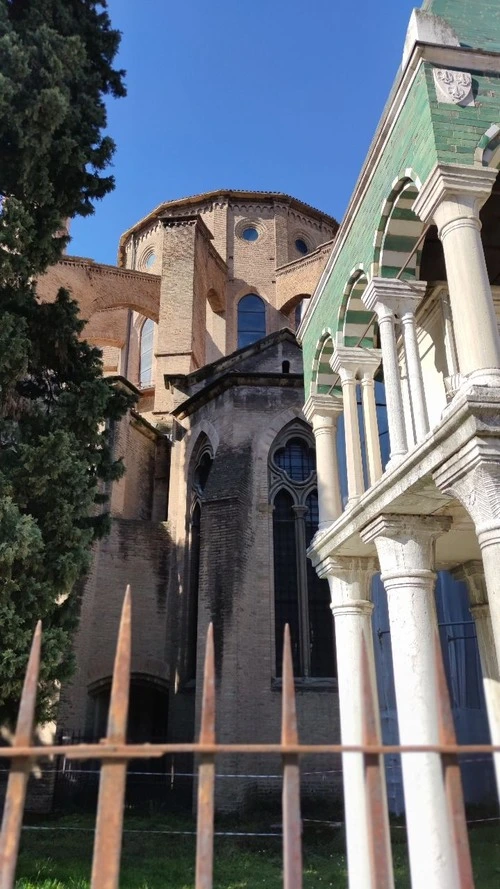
60 859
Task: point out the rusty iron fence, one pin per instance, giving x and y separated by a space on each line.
114 754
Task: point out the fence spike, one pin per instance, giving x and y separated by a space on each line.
206 774
378 817
452 775
292 839
109 821
20 768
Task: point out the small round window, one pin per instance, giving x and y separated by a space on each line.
250 233
150 261
301 246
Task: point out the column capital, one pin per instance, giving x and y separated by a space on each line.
347 568
472 475
400 527
323 407
465 188
472 573
393 296
355 361
369 363
405 547
350 583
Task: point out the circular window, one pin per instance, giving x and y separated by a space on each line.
250 233
301 246
147 259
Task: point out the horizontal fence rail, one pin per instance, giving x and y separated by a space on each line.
114 754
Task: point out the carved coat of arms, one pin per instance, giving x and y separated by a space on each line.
453 86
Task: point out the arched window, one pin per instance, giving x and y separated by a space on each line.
201 470
251 319
194 586
146 363
301 598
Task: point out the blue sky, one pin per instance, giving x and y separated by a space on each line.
278 95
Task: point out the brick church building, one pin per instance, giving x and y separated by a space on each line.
219 501
383 465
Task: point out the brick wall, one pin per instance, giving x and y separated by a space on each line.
235 587
138 553
132 495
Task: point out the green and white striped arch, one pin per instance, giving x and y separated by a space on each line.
323 378
398 233
488 149
356 325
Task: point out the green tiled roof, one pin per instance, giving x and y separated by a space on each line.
476 22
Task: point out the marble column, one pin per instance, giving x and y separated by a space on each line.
369 364
415 377
344 362
350 586
452 198
393 299
405 547
322 412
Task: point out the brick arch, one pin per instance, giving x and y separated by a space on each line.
487 153
293 302
355 325
145 304
107 329
215 300
399 231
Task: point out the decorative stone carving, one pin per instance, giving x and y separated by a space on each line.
472 475
453 87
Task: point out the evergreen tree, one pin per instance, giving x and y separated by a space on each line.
56 67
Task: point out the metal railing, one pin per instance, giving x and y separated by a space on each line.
114 754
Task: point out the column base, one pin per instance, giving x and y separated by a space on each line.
395 460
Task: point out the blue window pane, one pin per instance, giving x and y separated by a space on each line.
146 359
247 338
297 459
251 320
286 591
251 303
250 234
321 629
301 246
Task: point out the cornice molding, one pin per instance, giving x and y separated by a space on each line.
444 56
